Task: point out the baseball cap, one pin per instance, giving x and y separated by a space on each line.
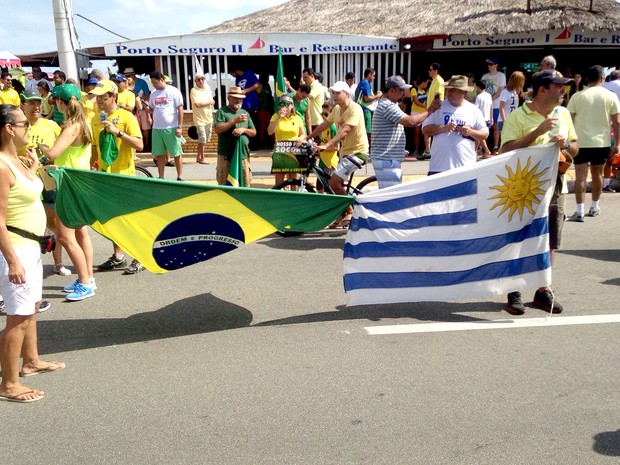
66 91
93 80
103 87
493 61
549 76
341 86
286 98
30 94
120 77
396 82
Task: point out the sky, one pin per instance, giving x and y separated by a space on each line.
29 30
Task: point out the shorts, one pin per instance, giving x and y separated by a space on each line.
348 164
368 120
21 299
223 168
556 221
500 126
204 133
495 115
388 172
592 155
166 141
49 197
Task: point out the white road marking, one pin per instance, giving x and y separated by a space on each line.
492 324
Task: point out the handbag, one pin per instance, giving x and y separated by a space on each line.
47 243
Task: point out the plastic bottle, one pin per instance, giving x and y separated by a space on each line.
556 128
103 116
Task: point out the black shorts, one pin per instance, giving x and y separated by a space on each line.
592 155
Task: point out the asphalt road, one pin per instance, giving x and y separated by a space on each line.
253 358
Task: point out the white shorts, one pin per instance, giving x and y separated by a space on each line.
21 299
204 133
348 164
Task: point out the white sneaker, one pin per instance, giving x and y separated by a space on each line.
594 211
61 270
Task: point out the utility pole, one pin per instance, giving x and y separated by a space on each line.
65 37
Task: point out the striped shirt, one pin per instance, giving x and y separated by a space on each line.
388 136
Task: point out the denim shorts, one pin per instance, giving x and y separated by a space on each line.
388 172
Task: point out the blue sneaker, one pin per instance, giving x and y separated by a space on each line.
80 292
71 287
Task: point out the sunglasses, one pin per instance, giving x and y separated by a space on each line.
284 104
21 124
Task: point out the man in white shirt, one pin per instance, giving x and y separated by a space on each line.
455 128
166 106
484 102
496 82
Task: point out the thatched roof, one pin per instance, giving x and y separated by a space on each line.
416 18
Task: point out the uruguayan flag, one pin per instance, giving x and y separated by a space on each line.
470 232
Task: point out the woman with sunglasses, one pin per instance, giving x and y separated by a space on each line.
73 150
287 127
21 271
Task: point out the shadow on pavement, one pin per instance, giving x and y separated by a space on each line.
609 255
195 315
431 311
328 239
607 443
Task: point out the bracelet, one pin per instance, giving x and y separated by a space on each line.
120 134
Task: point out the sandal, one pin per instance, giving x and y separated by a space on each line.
344 224
336 224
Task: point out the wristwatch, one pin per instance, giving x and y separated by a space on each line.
120 134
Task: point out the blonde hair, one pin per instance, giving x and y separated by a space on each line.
516 82
75 115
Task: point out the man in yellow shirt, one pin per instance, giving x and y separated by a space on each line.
115 140
542 121
316 97
202 112
8 95
126 98
348 117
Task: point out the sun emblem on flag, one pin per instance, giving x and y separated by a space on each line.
521 189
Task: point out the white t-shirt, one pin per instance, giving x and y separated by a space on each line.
613 86
164 103
484 102
452 150
494 82
511 100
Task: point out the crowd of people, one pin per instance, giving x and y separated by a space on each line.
450 122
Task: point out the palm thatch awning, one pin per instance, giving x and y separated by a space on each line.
423 18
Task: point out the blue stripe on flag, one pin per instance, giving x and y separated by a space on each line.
439 195
445 219
497 270
478 245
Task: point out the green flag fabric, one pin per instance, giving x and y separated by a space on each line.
235 174
168 225
279 82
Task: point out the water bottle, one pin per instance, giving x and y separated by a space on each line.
103 116
556 129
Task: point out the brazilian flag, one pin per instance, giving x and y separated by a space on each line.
235 174
279 82
168 225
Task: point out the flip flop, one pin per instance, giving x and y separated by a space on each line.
202 162
336 224
344 224
23 401
55 366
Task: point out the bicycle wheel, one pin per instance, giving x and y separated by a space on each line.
142 172
367 185
284 186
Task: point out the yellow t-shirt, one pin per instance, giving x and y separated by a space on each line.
44 131
287 129
329 157
127 123
317 99
10 97
356 141
436 87
522 121
126 98
592 108
202 116
416 108
90 107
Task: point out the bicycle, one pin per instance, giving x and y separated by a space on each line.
142 172
308 159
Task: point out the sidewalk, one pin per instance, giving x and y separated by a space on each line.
261 169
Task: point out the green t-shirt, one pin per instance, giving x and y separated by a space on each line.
226 142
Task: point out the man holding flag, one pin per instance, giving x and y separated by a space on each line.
233 126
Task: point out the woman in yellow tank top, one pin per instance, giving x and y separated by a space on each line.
21 271
73 150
